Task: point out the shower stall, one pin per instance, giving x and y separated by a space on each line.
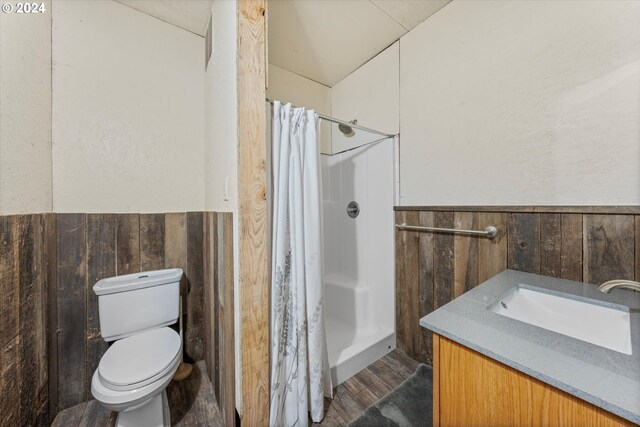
359 255
358 187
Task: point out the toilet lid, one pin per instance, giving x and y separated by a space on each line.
137 358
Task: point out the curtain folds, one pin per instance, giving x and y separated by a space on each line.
300 376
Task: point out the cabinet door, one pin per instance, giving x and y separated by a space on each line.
471 389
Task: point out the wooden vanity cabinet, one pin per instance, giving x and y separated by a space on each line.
472 390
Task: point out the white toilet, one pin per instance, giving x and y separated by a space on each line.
135 311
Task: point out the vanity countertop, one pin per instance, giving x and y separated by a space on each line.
603 377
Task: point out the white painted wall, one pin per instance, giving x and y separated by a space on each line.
128 111
286 86
221 145
371 95
522 103
221 112
25 112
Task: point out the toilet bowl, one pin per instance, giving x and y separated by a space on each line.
135 371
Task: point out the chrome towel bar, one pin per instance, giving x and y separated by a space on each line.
489 232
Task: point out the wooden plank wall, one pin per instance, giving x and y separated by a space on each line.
50 341
584 244
24 271
252 209
94 246
219 318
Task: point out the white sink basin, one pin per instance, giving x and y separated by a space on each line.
604 325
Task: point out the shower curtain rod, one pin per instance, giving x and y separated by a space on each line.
351 125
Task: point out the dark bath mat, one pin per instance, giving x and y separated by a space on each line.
408 405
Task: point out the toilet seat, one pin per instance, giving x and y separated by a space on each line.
139 360
119 401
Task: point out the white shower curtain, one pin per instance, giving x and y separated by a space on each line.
300 376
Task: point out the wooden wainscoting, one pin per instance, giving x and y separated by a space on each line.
219 317
50 341
93 246
27 255
591 244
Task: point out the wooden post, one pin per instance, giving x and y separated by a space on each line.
252 210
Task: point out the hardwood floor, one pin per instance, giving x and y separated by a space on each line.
192 403
367 387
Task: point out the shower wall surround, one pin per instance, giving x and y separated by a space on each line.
50 341
590 244
358 257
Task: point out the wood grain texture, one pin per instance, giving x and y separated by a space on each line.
226 320
151 241
365 395
443 265
209 281
175 252
551 245
366 387
195 288
218 291
50 342
408 304
402 293
51 261
71 301
9 312
27 292
492 253
252 209
571 256
465 254
191 401
128 249
32 355
524 242
637 245
609 248
436 380
475 390
175 240
101 263
70 416
95 414
629 210
427 301
219 332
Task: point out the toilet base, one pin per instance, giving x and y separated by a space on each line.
154 413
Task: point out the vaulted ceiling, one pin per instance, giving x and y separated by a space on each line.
190 15
324 40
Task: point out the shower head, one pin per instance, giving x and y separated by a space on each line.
347 130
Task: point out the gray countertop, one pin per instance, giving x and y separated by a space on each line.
606 378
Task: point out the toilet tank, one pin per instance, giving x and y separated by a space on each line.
138 302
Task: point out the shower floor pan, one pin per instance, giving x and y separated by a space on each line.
351 350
